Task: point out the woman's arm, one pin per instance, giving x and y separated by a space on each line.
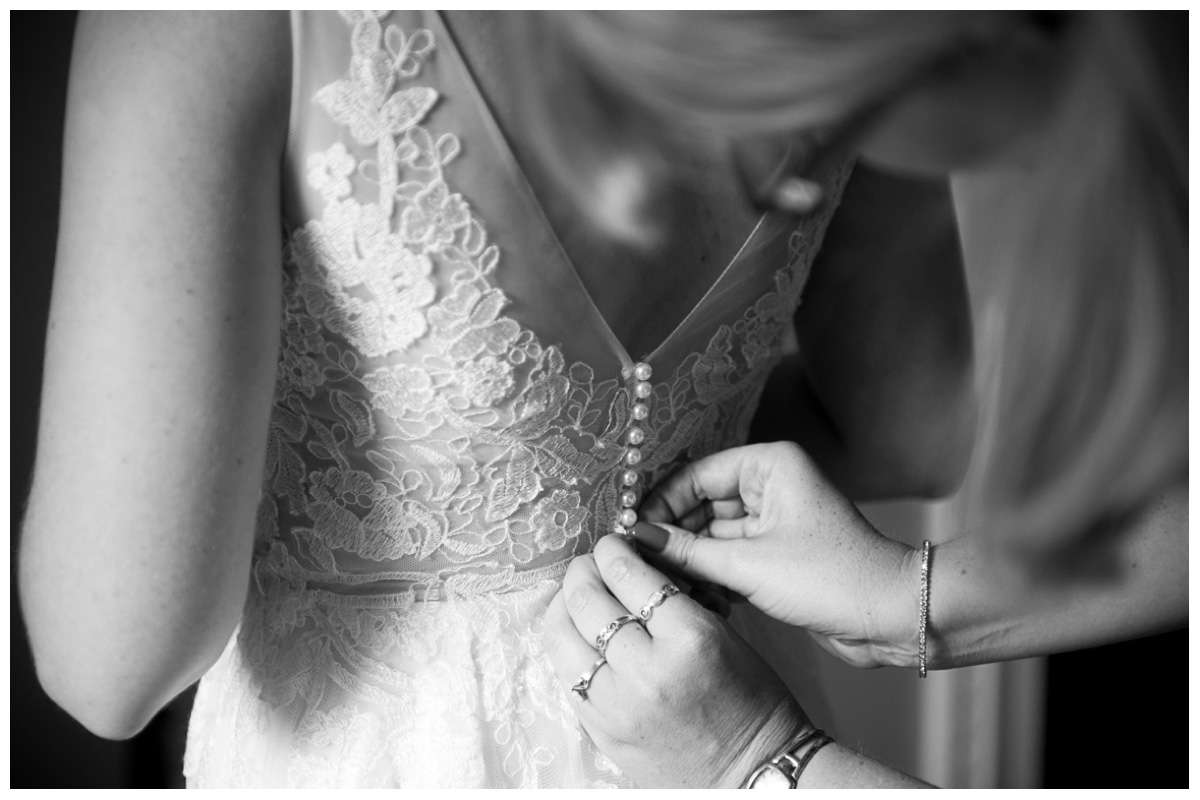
803 554
160 358
881 392
985 608
841 767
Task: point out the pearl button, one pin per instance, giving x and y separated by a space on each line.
635 436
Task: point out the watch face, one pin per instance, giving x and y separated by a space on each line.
769 777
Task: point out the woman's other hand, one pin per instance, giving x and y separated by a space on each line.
763 521
682 701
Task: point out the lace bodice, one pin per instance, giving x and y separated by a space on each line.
452 414
425 436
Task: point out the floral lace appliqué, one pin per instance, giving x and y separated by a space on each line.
433 465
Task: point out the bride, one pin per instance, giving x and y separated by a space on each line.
337 384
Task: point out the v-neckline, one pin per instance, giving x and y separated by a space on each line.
492 124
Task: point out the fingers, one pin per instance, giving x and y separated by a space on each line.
701 518
728 509
724 477
699 557
636 584
743 528
695 520
593 609
710 596
572 656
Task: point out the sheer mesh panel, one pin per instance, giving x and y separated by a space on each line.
449 430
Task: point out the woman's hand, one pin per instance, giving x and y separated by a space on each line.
682 702
764 522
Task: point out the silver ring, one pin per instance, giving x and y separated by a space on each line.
585 680
611 630
656 600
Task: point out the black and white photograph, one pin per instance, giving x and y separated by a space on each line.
572 399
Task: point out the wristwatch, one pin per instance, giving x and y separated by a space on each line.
783 771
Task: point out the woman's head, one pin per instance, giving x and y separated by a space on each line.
614 91
1078 121
927 91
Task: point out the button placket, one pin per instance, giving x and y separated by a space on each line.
635 435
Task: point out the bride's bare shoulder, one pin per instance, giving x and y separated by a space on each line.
218 62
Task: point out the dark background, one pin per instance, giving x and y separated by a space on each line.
1117 716
47 748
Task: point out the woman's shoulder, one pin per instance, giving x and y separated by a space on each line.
226 68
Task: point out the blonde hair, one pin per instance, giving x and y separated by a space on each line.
1086 380
1085 385
613 89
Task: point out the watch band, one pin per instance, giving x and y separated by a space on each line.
789 762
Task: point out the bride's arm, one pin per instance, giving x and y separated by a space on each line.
881 393
135 549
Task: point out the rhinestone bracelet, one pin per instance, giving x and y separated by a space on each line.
922 650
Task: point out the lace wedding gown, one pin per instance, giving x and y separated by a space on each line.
451 426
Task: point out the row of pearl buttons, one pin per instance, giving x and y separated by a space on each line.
639 413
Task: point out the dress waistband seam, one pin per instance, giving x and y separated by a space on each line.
436 590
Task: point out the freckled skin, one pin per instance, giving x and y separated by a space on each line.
159 363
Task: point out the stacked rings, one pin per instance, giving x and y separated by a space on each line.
611 629
656 600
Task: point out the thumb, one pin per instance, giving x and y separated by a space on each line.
698 557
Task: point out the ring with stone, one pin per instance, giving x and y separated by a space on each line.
657 600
